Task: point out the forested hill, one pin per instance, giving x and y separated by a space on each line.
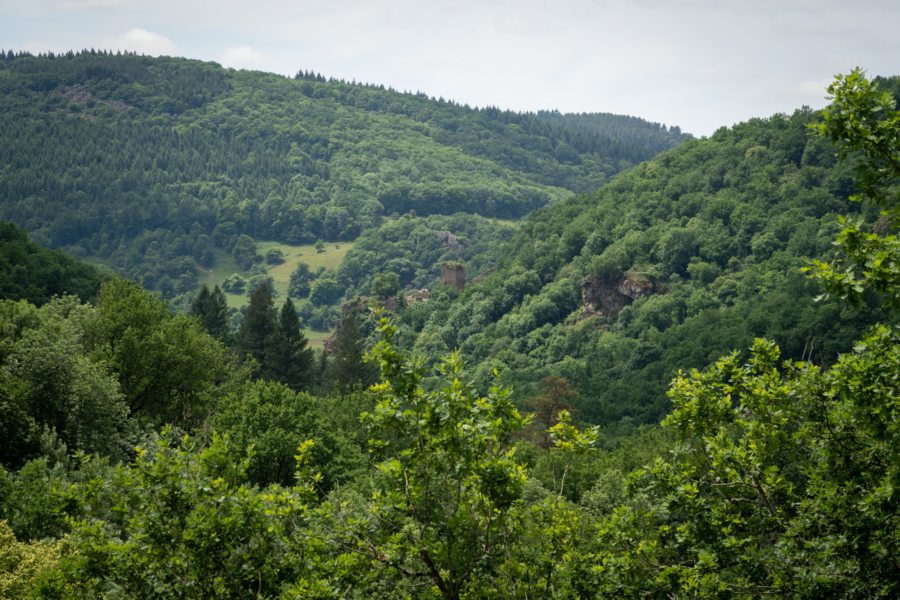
670 265
35 274
97 149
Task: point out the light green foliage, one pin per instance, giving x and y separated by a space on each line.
168 367
274 420
51 377
36 500
447 482
21 564
569 443
385 285
184 523
864 121
782 483
552 533
864 118
568 439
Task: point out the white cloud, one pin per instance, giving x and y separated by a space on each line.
695 63
91 5
242 57
145 42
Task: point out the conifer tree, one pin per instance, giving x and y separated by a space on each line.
258 325
212 310
288 358
346 369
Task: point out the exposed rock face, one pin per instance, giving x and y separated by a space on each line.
601 299
605 299
451 242
420 296
635 287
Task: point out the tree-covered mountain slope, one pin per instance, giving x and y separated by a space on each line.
101 153
36 274
668 266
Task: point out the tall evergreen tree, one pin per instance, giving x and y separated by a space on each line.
258 325
289 359
346 369
212 310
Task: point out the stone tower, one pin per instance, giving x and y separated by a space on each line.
454 275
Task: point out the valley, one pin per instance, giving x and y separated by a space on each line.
294 337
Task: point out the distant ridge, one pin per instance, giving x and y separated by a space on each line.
168 160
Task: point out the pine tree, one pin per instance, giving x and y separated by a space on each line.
346 369
212 310
288 358
258 325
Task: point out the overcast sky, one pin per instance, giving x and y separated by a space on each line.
698 64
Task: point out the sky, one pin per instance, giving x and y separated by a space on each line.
697 64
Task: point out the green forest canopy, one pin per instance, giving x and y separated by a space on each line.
688 255
154 164
145 460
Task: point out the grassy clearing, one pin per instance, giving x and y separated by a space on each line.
293 255
331 258
513 223
315 337
224 266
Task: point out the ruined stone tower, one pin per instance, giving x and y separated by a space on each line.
454 275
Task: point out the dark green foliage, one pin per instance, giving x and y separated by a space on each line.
212 310
301 277
770 477
274 257
325 290
244 252
288 359
168 368
53 380
346 369
156 164
275 421
234 284
18 430
676 262
414 248
260 322
30 272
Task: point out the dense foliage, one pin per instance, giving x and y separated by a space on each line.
668 266
769 477
33 273
414 248
154 164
